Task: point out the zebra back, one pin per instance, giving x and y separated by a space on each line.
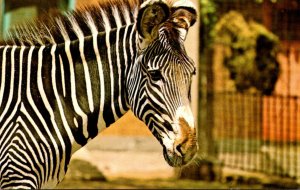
50 28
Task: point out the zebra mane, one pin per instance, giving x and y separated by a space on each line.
55 29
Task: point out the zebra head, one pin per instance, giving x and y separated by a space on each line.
161 77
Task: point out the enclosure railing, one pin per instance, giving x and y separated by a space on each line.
258 133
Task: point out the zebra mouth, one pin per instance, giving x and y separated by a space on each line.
177 160
173 159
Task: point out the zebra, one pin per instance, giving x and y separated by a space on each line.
66 78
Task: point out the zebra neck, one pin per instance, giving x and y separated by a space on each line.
94 71
117 56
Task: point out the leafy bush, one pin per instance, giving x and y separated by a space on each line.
250 52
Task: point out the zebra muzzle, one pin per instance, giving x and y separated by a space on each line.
184 147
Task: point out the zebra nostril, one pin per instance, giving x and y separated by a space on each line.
178 149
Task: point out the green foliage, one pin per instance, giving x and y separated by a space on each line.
208 12
208 18
261 1
250 52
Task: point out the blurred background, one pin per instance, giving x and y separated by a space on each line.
245 99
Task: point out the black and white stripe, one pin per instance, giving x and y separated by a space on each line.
62 85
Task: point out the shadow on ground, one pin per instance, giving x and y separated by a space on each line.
83 175
123 183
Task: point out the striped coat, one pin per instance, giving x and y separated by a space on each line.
65 79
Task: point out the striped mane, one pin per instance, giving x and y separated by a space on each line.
87 20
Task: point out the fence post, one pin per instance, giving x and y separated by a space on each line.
206 106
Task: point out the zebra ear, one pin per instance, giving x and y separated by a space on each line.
150 17
183 16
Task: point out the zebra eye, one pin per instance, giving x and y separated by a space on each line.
155 75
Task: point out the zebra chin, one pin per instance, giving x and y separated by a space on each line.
177 160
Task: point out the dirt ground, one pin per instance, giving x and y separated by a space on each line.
124 183
83 174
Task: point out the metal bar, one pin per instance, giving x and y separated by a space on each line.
71 4
2 9
6 23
